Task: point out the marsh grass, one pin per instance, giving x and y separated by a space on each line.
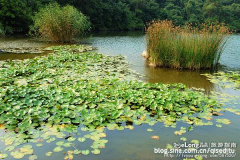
188 47
60 24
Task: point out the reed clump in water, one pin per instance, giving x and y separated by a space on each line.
60 24
188 47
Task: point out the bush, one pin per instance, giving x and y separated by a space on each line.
188 47
60 24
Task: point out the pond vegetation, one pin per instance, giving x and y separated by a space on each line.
189 47
49 99
60 24
225 79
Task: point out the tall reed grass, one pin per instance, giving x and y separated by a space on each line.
187 47
60 24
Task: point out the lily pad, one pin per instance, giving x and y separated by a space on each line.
17 155
33 157
10 148
85 152
149 130
57 149
60 143
67 144
223 121
82 139
3 156
48 154
71 139
39 145
96 151
183 139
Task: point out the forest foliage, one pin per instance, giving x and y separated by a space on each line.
16 15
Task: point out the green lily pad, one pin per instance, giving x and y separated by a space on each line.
76 151
57 149
82 139
60 135
10 148
17 155
26 151
39 145
223 121
169 146
85 152
71 139
96 151
48 154
195 141
51 140
3 156
149 130
67 144
183 139
60 143
33 157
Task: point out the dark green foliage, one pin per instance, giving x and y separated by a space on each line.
16 15
134 14
126 14
2 32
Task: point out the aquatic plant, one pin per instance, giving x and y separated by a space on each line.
188 47
47 99
225 79
60 24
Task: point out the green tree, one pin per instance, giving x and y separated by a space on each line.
174 13
15 15
193 9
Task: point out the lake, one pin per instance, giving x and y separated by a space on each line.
137 143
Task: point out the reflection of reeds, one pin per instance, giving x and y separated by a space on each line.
188 47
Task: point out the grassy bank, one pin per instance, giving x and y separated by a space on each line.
188 47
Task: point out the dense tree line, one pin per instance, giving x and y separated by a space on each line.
16 15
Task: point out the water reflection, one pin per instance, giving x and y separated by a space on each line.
13 56
169 76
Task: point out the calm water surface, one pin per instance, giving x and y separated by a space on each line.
137 144
22 42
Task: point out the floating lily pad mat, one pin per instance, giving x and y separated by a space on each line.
68 101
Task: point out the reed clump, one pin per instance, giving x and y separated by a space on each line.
60 24
185 47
